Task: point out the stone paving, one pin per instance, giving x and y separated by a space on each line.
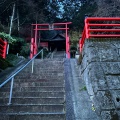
79 105
68 91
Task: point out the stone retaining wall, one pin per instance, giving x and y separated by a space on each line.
100 69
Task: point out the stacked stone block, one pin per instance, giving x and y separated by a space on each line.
100 69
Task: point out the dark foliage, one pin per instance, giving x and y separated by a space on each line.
4 63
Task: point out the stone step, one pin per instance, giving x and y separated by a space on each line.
31 108
46 61
33 116
41 79
41 74
52 61
50 77
34 89
33 94
49 73
55 80
35 84
44 68
47 65
40 70
48 70
37 96
33 100
52 65
49 60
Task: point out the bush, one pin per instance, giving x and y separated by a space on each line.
4 63
25 50
16 47
45 52
7 37
16 44
80 59
11 58
73 50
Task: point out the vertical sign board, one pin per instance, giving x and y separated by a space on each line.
32 48
44 44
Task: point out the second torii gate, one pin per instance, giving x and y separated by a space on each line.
54 26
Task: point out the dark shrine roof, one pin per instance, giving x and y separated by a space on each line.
57 37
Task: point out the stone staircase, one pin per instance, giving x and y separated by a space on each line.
37 96
59 54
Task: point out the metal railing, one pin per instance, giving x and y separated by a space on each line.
11 78
52 54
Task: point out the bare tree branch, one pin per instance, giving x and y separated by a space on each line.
3 2
6 8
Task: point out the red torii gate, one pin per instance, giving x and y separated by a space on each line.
54 26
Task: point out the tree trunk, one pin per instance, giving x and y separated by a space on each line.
11 24
11 21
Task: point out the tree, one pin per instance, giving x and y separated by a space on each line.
70 8
87 9
75 11
108 8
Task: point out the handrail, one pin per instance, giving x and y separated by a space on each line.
20 69
52 54
11 78
94 27
100 27
82 40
